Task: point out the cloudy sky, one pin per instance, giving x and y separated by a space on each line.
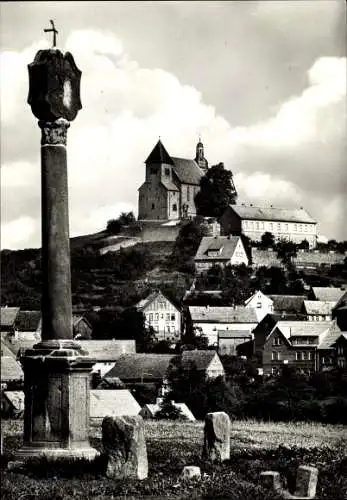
264 83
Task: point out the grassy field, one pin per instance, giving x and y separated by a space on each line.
255 447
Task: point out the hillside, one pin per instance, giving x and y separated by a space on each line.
112 279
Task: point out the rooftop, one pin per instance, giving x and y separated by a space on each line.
140 366
223 314
111 402
288 303
187 171
329 338
8 316
318 307
227 245
200 358
107 350
272 214
28 321
10 369
327 293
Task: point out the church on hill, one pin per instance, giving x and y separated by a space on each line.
171 184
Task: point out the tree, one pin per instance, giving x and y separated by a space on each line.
113 226
217 191
267 240
304 245
132 325
126 218
169 411
187 243
286 251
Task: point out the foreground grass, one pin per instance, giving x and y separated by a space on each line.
255 447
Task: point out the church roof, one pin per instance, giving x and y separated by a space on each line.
187 171
159 155
272 214
169 185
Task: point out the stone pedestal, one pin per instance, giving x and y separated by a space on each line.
56 415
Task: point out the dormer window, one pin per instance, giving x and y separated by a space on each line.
167 172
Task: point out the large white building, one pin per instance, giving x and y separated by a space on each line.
292 224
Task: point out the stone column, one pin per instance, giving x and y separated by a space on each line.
56 384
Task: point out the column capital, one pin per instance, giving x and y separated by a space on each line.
54 133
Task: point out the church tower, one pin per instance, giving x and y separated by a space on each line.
200 157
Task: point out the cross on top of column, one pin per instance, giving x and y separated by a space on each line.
54 31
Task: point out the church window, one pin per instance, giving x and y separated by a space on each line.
278 227
152 206
257 225
188 193
167 172
174 207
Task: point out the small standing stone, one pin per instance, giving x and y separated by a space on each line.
190 471
271 479
306 481
123 439
217 437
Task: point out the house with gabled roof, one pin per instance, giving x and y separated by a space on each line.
341 351
279 342
205 361
207 320
230 340
288 305
262 304
318 310
326 353
106 352
113 403
220 250
8 316
28 326
163 315
327 293
140 368
253 221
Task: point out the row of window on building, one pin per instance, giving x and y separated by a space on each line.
299 356
284 227
157 316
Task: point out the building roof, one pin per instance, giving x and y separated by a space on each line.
200 358
255 294
318 307
159 155
343 336
302 328
8 316
169 185
76 318
19 345
223 314
28 321
111 402
16 398
288 303
10 369
233 334
6 351
187 171
140 366
341 303
272 214
107 350
327 293
329 338
226 245
144 303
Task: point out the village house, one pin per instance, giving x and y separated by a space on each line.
27 326
162 315
282 342
340 312
326 353
106 352
220 250
140 368
112 403
229 341
207 320
82 328
205 361
294 225
262 304
318 310
8 319
341 351
289 306
171 184
326 293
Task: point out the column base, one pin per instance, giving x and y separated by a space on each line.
29 452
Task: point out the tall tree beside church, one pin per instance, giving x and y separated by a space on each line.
217 191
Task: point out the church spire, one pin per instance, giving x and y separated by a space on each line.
200 156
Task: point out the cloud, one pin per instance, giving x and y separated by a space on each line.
294 156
